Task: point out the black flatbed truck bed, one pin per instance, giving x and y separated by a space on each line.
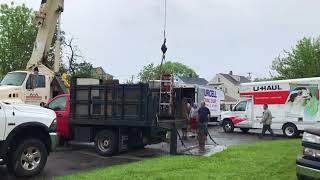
116 117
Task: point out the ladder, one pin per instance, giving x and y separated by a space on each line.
166 96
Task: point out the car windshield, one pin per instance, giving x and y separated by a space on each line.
14 79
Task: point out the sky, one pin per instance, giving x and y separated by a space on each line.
210 36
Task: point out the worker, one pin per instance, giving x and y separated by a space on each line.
203 117
266 121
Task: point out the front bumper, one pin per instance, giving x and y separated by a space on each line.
308 168
54 140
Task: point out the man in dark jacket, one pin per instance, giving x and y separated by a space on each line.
203 117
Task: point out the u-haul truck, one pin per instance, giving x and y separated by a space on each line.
294 105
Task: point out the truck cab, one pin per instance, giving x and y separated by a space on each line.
25 86
27 136
241 116
61 106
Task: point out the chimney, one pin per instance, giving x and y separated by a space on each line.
230 73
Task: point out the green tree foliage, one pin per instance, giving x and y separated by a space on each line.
152 71
85 70
301 62
17 35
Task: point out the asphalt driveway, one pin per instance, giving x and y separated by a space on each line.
82 157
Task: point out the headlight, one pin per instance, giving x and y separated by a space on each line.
307 137
311 152
53 126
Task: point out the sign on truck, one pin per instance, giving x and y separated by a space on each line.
212 98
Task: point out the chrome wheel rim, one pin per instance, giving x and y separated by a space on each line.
228 126
289 131
30 158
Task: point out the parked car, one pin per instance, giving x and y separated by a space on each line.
308 165
27 135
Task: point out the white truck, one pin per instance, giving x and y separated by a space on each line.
294 105
196 94
27 135
38 83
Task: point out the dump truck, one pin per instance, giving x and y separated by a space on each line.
116 117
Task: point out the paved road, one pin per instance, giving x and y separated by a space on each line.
80 158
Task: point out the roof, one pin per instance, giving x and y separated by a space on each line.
101 71
192 80
234 81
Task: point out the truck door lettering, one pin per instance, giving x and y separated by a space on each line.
267 88
210 93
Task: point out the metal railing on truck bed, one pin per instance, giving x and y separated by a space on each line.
112 104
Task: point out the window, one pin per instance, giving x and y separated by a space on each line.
14 79
36 81
41 81
241 106
58 104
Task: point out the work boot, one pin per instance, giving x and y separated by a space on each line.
202 150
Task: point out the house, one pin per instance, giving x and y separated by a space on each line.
229 84
102 74
190 81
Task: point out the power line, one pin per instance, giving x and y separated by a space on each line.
165 19
164 47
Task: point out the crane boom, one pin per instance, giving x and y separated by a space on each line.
46 20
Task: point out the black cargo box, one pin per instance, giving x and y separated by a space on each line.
112 104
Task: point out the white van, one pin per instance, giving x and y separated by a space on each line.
294 105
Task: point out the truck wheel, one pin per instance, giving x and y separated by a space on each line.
245 130
106 143
290 130
29 158
228 126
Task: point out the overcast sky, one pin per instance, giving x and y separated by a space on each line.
211 36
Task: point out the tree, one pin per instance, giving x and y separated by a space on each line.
302 61
17 36
76 66
152 71
85 70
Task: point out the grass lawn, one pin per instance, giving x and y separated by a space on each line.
265 160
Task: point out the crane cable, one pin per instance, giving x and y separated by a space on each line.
164 47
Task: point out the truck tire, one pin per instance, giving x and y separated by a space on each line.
228 126
244 130
290 130
29 158
106 142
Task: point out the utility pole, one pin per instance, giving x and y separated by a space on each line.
249 75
